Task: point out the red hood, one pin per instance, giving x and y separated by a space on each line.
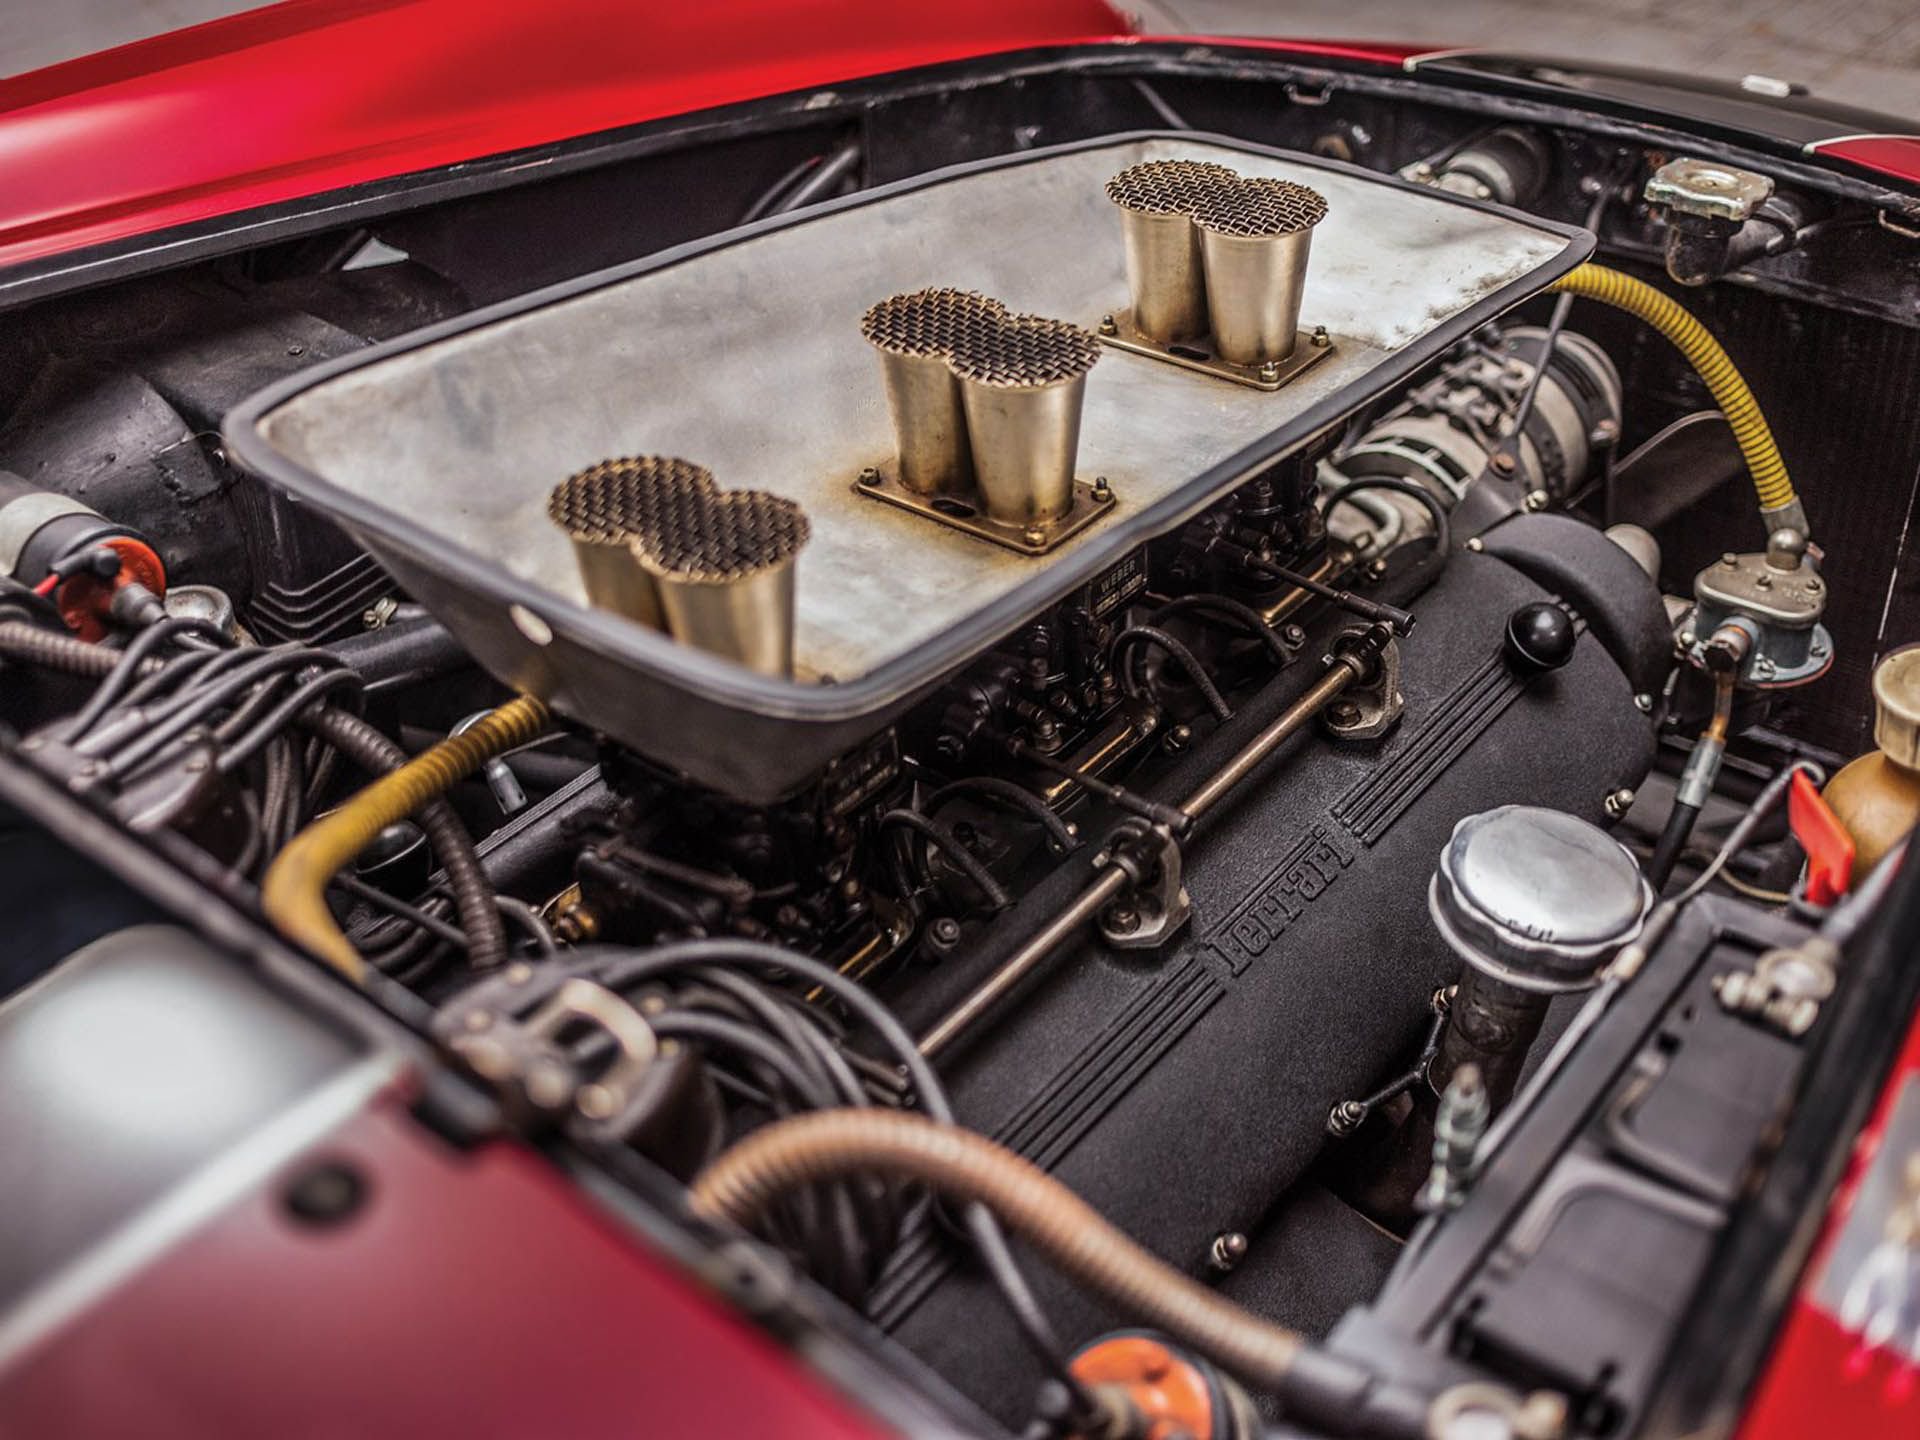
313 95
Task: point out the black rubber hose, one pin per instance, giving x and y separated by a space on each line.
1442 525
1196 672
402 652
949 845
1250 620
1015 797
467 883
1673 840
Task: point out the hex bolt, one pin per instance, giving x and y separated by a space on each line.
944 932
547 1084
1537 500
1321 340
869 476
1618 802
1504 462
1102 491
1343 713
1270 370
1346 1117
1122 919
1176 739
1107 325
1229 1248
596 1102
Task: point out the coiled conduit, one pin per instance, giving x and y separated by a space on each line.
742 1183
1703 352
293 895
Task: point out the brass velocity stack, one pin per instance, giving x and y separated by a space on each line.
724 565
1156 200
1022 384
605 507
915 334
1254 238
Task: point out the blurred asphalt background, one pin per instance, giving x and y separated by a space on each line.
1863 52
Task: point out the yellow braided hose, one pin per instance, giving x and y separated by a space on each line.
1703 352
293 894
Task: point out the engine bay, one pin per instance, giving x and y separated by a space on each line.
966 652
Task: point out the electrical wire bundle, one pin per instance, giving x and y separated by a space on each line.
267 719
774 1056
182 698
767 1022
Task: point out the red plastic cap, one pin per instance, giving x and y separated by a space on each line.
84 601
1828 845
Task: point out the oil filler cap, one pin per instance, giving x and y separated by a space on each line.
1537 898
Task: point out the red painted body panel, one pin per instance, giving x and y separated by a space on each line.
1819 1380
313 95
471 1295
1894 155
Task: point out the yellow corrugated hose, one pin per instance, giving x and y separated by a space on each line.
1703 352
293 894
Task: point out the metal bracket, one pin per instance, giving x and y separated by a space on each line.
1348 1116
1785 988
1310 347
1368 709
526 1059
1091 500
1156 906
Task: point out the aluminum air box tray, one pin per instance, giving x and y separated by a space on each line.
743 353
